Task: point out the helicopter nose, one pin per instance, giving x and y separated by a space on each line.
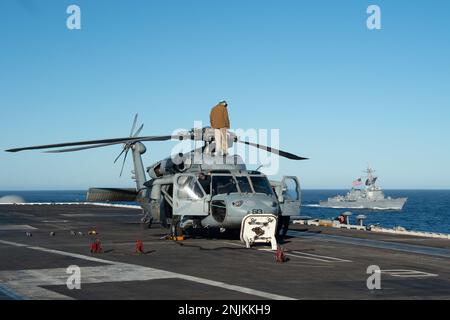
252 204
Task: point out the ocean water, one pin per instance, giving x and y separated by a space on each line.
425 210
48 196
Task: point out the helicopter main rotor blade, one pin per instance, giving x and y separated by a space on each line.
81 148
90 142
282 153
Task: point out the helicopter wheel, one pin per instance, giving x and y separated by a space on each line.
175 228
146 220
283 227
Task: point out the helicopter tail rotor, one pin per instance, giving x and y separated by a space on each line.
128 145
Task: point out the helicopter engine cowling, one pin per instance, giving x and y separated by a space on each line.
168 166
182 163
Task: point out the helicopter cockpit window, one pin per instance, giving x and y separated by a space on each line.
244 185
261 185
205 182
188 188
223 185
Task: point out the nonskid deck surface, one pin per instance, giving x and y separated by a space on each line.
324 263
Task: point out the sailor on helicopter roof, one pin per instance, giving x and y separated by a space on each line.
221 123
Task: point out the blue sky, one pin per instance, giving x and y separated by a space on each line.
341 94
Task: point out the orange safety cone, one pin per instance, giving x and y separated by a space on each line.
139 247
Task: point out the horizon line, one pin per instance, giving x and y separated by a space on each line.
302 189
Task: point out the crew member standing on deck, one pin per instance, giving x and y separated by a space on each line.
221 123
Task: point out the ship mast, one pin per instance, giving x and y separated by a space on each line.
370 177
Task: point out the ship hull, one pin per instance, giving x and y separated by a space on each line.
385 204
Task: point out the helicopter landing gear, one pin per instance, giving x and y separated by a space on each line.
147 220
283 226
175 228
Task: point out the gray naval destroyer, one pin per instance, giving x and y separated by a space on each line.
370 196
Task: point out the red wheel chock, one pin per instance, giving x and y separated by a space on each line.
139 247
280 256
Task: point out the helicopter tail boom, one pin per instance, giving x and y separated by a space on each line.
111 195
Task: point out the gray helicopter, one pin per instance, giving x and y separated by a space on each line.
194 190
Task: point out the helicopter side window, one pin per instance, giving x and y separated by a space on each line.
290 192
262 185
244 185
223 185
189 189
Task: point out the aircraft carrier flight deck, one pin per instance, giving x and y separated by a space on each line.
39 242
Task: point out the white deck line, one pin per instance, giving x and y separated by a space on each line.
11 227
100 204
298 254
320 256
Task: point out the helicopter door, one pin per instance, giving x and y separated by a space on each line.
188 196
290 196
